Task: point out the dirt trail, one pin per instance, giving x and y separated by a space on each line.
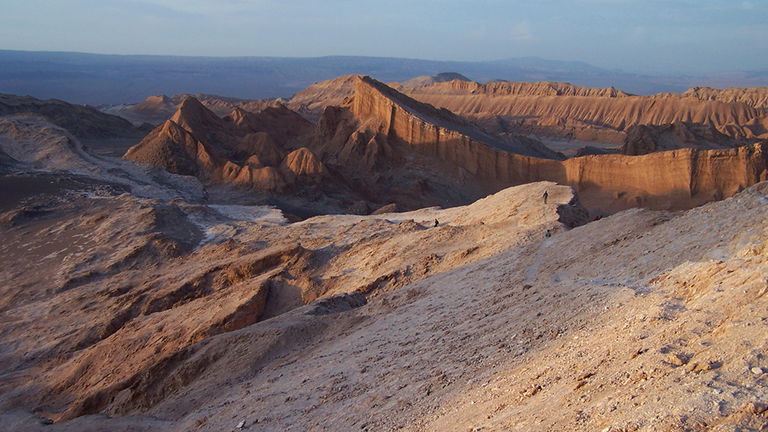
531 273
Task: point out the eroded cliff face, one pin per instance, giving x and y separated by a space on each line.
395 148
390 148
668 180
563 110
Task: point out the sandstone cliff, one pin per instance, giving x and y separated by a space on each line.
391 148
562 110
372 137
669 180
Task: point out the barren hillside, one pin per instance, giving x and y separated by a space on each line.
80 120
753 96
609 325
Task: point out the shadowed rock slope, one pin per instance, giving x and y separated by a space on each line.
80 120
263 151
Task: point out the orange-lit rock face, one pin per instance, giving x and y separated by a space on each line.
564 110
372 138
675 179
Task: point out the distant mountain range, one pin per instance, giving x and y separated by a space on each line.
110 79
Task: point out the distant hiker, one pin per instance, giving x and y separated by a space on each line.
436 223
546 195
548 234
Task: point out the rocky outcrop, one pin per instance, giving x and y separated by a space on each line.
80 120
374 141
419 123
241 148
177 150
259 149
667 180
285 126
568 111
303 163
333 92
391 148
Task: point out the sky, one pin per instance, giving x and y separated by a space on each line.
643 36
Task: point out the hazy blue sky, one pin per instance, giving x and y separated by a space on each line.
633 35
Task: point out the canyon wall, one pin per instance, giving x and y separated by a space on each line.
666 180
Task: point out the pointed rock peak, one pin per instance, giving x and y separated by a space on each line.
239 115
193 114
171 127
191 103
303 162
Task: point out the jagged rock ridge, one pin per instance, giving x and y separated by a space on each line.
253 150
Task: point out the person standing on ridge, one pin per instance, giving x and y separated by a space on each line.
436 223
546 195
